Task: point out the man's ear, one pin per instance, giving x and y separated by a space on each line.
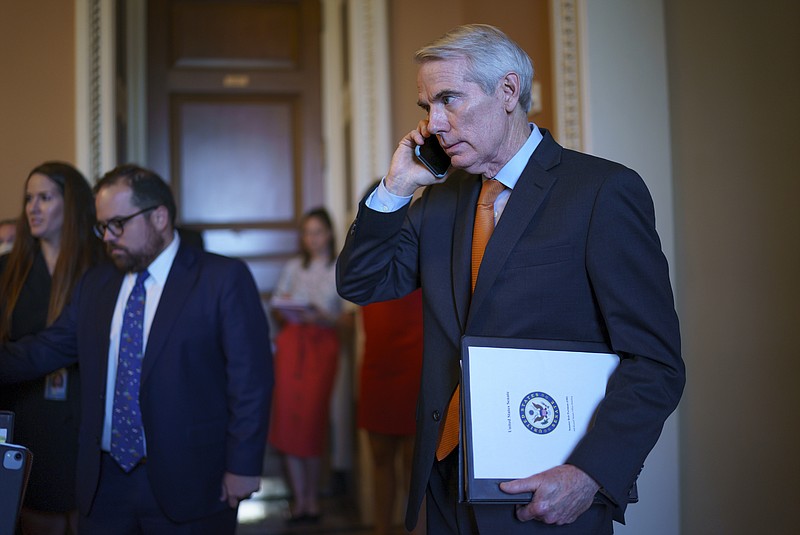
510 87
161 217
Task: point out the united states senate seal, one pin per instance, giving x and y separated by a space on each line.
539 413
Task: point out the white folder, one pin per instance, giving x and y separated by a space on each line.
525 404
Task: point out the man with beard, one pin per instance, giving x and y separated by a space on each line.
176 367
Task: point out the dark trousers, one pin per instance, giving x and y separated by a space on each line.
448 517
125 505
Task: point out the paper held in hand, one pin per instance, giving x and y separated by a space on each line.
526 405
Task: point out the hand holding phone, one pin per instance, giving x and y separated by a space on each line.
433 156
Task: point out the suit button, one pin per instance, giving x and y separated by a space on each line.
436 416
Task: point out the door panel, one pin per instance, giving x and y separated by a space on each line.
236 34
234 121
234 160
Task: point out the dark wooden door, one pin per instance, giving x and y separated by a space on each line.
234 121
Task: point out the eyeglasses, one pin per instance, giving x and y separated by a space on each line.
116 225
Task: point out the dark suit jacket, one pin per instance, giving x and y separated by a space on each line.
49 428
575 256
206 377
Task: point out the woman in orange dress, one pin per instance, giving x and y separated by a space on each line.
306 358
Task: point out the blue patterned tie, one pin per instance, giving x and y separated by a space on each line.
127 445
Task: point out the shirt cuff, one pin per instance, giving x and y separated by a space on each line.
381 200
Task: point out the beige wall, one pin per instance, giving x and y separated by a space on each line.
734 82
37 93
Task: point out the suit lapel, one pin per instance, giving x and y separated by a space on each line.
103 314
180 282
462 246
526 199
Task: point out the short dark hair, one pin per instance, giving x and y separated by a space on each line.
148 188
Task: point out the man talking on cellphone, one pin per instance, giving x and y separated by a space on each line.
571 253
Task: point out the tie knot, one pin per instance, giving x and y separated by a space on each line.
490 189
141 277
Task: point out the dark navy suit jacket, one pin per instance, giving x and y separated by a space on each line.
575 256
206 377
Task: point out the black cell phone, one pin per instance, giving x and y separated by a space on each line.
15 469
6 426
433 156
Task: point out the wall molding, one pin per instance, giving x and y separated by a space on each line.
369 92
566 32
94 107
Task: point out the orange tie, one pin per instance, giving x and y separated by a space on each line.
481 232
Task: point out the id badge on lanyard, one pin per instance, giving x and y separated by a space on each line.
55 385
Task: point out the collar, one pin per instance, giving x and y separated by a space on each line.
159 268
511 171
